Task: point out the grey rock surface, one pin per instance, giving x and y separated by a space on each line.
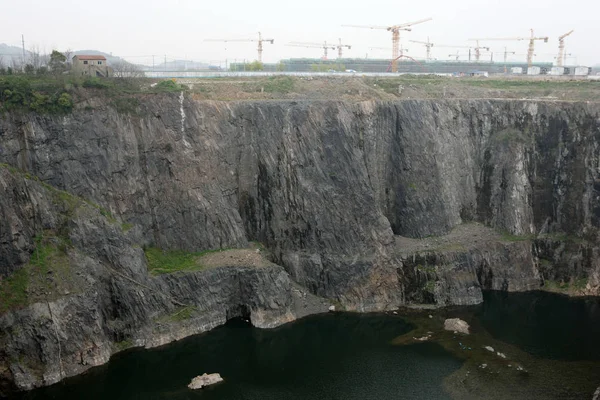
358 203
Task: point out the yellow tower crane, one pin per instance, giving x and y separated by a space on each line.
560 61
531 39
260 41
323 46
395 29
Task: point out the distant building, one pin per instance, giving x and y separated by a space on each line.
91 65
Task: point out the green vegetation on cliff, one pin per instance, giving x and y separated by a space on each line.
48 94
43 95
43 278
168 261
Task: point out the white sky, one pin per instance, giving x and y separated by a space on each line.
177 28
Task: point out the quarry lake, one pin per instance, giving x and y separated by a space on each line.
550 343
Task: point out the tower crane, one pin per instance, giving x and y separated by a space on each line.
260 41
401 49
323 46
478 48
531 39
457 55
428 45
560 61
395 29
506 53
340 46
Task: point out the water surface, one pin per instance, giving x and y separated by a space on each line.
349 356
333 356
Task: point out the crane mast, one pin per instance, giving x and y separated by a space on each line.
323 46
428 45
478 49
395 29
530 49
260 43
340 46
560 61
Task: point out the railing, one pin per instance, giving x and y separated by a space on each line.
221 74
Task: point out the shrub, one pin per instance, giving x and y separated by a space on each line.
168 86
39 95
279 84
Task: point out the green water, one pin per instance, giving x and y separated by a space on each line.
350 356
334 356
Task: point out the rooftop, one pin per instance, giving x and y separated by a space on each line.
89 57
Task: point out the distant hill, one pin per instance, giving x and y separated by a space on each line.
10 55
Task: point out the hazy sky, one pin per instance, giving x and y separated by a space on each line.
136 29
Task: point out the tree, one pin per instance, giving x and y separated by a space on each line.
35 58
57 62
68 53
255 66
126 70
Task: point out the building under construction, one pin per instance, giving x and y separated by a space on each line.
405 66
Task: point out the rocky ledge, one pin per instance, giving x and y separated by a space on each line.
86 292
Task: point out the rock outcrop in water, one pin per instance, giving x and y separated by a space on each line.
205 380
346 197
456 325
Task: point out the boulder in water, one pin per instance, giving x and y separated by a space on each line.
204 380
456 325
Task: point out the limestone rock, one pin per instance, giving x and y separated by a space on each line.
457 325
205 380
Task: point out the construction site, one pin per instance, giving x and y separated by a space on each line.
478 57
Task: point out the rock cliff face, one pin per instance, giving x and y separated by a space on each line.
335 191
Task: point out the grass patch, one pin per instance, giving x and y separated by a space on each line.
182 314
512 136
33 280
279 84
126 226
169 261
509 237
575 285
430 286
428 269
123 344
126 105
168 86
70 201
337 304
564 237
13 291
